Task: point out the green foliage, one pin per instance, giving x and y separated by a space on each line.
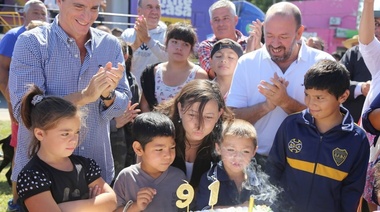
263 4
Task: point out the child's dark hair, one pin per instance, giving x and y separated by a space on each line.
337 56
43 112
150 125
182 31
127 49
328 75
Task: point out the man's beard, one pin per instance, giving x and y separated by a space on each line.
286 54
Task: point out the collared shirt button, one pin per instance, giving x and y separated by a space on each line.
76 55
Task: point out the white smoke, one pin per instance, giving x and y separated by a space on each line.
258 182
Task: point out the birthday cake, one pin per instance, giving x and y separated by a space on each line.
256 182
256 208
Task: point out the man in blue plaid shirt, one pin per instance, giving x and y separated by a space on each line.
70 59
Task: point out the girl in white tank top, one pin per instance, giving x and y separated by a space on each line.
171 76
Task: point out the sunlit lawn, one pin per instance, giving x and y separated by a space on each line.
5 190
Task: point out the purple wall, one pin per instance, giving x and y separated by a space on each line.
192 11
316 16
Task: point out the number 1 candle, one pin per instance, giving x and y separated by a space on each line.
214 193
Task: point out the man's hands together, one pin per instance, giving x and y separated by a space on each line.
103 82
274 92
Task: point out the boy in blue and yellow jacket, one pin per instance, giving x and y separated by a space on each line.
320 156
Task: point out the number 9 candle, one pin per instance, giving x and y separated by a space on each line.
185 198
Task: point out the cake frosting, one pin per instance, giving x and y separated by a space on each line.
256 208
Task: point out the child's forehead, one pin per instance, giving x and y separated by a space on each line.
235 140
162 141
178 39
318 92
226 50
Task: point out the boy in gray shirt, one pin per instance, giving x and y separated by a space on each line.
152 183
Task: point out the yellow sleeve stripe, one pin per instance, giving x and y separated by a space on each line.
321 170
329 172
301 165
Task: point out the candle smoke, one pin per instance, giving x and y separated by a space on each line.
258 182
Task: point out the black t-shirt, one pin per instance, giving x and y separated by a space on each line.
37 177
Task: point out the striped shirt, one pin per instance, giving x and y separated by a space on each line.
50 59
205 47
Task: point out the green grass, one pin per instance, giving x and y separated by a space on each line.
5 129
5 190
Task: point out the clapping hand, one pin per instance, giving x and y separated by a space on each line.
97 85
113 76
141 28
138 42
365 87
274 92
103 82
254 39
128 116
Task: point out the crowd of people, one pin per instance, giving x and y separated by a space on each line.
111 120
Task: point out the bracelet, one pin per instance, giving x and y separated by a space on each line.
129 203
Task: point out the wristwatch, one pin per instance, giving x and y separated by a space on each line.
109 97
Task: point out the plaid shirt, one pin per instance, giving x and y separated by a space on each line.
205 47
50 59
